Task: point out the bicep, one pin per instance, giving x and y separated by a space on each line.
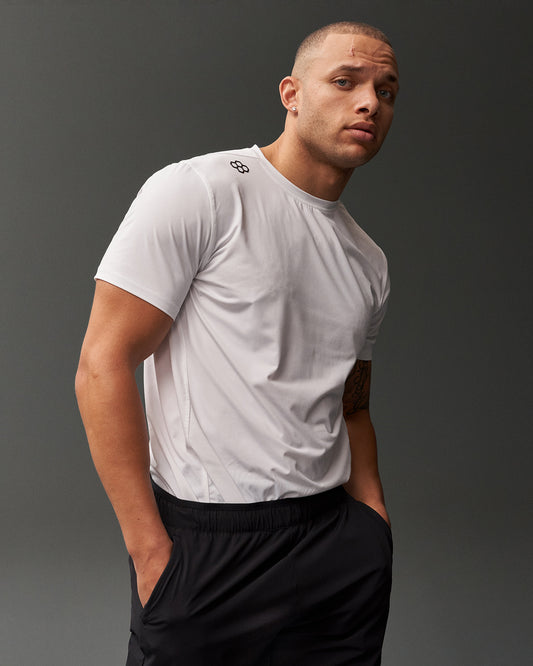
357 389
123 327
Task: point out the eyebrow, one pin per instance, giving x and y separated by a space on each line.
392 78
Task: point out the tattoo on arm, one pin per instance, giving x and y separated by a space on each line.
357 388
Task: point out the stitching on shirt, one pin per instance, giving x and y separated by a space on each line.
206 256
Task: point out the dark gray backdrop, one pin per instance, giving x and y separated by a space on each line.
98 95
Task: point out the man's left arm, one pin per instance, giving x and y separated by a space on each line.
364 483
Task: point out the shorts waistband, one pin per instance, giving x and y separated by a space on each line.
253 516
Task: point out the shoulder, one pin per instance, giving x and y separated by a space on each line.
224 167
200 180
209 170
172 181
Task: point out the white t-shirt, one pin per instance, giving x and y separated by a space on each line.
274 295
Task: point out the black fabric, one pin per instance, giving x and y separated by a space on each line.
292 582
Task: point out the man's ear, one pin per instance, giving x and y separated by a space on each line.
289 92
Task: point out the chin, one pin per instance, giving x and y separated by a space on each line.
353 161
359 157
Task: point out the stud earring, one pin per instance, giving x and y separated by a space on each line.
293 108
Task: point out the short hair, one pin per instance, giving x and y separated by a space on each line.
312 41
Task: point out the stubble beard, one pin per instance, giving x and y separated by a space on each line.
338 156
333 152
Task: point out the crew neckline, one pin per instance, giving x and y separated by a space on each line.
293 189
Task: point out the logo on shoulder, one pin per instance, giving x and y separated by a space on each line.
241 168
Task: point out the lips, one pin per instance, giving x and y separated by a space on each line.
363 131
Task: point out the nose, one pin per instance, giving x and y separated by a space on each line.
366 102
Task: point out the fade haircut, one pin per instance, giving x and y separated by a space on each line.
315 39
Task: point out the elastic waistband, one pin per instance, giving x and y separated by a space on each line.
254 516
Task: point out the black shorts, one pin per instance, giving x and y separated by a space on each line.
294 582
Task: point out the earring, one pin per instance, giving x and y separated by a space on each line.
293 108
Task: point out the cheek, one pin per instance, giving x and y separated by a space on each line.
388 114
317 115
308 120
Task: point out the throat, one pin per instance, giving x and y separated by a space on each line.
308 172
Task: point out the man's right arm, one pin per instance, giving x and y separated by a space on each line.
123 330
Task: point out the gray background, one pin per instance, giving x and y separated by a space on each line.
98 95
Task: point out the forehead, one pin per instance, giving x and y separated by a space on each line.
354 50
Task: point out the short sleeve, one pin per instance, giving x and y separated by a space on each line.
164 240
375 323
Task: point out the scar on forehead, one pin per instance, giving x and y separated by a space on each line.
352 49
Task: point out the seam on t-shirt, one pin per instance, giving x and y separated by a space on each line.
187 399
206 256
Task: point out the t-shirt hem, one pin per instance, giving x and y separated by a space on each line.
139 291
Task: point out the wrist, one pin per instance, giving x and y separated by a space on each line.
147 548
374 500
379 507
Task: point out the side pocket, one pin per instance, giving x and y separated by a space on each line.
164 579
371 512
376 516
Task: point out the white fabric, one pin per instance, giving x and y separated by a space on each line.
275 294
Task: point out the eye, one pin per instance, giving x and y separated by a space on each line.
385 94
342 83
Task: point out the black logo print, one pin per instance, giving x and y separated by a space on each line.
241 168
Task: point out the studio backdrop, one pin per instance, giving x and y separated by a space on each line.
96 96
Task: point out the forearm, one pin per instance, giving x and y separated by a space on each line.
364 483
112 412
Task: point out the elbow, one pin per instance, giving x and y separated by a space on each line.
91 367
99 367
358 416
81 379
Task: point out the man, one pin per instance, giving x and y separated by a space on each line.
251 506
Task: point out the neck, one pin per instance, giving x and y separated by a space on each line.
294 161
